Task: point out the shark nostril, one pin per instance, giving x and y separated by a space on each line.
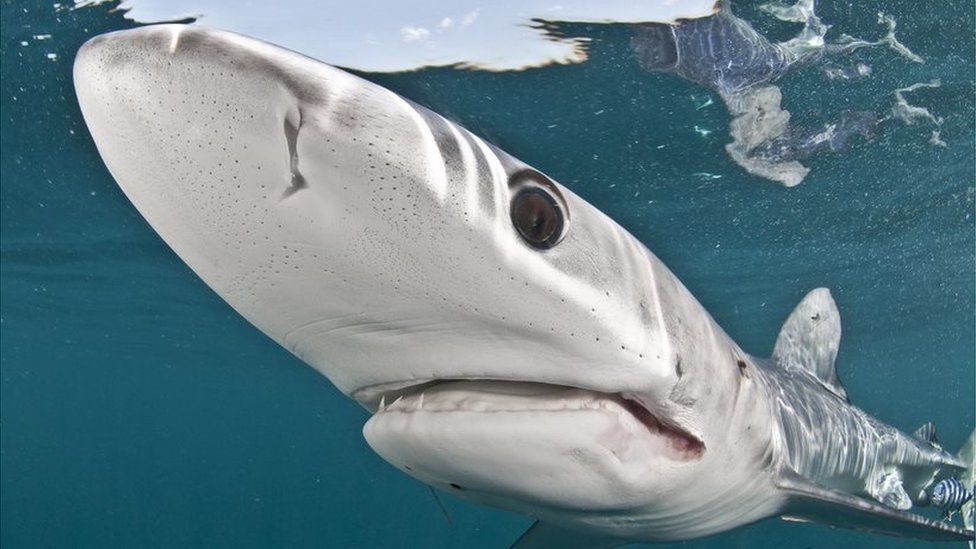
457 486
292 126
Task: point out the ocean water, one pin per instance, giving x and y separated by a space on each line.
138 410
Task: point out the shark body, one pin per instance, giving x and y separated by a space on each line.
515 345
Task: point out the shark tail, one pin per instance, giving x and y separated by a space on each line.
967 454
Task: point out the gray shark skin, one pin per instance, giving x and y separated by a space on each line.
572 377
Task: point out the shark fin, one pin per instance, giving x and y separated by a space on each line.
810 338
545 536
926 433
890 491
811 502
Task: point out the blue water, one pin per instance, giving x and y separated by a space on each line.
137 409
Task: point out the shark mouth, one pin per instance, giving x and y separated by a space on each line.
527 399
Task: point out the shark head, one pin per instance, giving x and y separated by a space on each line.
515 345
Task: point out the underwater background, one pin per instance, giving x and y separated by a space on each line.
137 409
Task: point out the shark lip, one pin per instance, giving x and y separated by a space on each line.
506 396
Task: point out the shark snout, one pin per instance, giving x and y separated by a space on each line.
236 153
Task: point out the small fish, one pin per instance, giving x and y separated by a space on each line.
950 495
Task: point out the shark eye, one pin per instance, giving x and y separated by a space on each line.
537 217
538 210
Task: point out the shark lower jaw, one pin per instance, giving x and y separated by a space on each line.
522 445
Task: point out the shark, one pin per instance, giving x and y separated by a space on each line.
514 345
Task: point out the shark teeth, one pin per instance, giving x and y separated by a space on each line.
446 401
410 405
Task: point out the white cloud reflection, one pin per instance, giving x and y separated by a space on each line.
414 34
408 34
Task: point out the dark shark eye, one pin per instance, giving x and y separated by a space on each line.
538 209
537 216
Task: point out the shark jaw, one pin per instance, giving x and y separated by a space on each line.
525 445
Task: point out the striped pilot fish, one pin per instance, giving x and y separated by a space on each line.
950 495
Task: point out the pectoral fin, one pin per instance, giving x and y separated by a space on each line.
810 502
890 491
547 536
